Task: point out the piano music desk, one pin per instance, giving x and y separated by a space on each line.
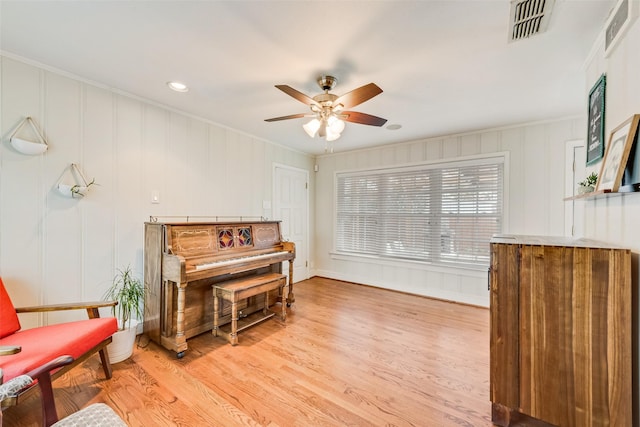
237 290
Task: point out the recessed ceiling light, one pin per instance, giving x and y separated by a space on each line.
178 87
394 127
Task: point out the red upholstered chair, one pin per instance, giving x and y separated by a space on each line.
79 339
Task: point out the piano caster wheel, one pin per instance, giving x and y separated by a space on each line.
180 355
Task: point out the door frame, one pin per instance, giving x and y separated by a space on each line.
570 181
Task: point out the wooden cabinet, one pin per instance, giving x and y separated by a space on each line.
560 332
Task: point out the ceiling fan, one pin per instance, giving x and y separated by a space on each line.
328 111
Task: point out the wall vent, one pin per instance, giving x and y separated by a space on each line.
529 17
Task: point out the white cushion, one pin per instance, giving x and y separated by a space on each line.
11 388
95 415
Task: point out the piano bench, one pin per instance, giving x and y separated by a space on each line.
240 289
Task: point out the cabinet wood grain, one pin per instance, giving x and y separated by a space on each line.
560 332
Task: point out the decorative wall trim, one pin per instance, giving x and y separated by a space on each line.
455 135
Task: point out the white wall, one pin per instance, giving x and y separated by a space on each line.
56 249
534 202
615 219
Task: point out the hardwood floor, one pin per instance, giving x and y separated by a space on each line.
348 355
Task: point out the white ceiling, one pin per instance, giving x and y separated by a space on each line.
444 66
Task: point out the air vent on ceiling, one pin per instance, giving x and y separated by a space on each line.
529 17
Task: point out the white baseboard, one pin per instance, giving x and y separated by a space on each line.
442 294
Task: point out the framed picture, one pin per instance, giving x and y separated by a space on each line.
621 18
595 134
615 158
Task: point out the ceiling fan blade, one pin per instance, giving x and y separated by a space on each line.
362 118
292 116
297 95
358 96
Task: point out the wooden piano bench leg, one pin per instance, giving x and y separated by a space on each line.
233 336
216 312
265 308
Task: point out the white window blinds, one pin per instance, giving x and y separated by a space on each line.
444 213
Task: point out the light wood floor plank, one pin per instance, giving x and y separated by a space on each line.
348 355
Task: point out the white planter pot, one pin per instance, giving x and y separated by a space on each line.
585 189
65 190
25 146
28 147
121 346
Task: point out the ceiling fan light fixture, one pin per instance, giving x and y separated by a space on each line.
332 136
336 125
311 128
328 110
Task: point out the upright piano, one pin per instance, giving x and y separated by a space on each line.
182 260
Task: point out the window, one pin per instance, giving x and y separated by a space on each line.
441 213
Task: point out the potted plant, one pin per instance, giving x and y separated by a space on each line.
79 188
589 184
128 291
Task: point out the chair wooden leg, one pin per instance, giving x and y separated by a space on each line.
106 364
43 375
49 414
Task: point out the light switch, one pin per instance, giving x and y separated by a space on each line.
155 196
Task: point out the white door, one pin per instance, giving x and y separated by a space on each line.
576 157
291 206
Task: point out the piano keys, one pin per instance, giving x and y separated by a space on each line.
229 261
184 259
